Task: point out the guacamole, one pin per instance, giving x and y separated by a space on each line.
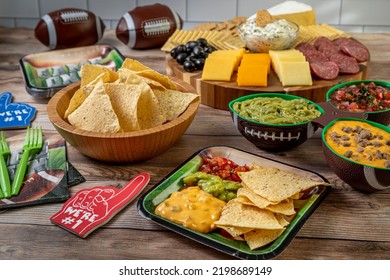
276 110
223 189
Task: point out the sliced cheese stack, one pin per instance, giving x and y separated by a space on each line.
291 67
254 69
221 64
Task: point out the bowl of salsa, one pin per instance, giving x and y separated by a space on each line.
370 96
275 121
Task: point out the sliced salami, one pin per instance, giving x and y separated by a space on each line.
315 56
304 46
331 50
321 42
361 54
346 64
327 70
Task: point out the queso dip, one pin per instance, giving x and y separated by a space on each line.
360 142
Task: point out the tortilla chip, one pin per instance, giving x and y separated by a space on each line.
275 184
235 232
239 215
174 102
89 73
256 199
260 237
135 105
85 89
96 113
285 207
147 72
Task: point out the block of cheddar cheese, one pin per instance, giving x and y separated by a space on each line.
252 75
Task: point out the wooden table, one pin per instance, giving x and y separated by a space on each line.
348 225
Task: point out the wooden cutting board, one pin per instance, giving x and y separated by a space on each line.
219 94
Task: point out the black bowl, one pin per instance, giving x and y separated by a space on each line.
274 137
382 117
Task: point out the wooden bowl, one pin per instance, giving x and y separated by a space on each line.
361 177
127 147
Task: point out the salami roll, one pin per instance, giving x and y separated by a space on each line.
327 70
359 53
346 64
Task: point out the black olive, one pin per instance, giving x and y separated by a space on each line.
198 52
189 66
202 41
192 44
199 63
174 53
181 49
180 58
191 58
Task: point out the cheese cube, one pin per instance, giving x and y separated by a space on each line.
295 73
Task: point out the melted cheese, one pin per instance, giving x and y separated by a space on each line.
192 208
365 154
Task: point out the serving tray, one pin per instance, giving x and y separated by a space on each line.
46 73
173 182
219 94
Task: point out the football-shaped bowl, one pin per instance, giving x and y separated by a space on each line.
274 137
360 176
126 147
382 116
69 27
148 26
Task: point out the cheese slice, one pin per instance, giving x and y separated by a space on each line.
256 58
252 75
295 73
218 68
278 57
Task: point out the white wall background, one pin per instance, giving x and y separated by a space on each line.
348 15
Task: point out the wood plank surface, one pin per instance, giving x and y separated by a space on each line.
347 225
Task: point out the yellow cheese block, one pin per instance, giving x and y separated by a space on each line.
218 68
295 73
233 54
256 58
252 75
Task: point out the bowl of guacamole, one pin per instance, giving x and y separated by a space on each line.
275 121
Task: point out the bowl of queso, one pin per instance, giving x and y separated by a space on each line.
370 96
358 151
275 121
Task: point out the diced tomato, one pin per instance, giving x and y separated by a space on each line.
222 167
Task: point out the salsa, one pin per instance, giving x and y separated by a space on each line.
222 167
362 97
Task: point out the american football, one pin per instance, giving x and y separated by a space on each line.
148 26
69 27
